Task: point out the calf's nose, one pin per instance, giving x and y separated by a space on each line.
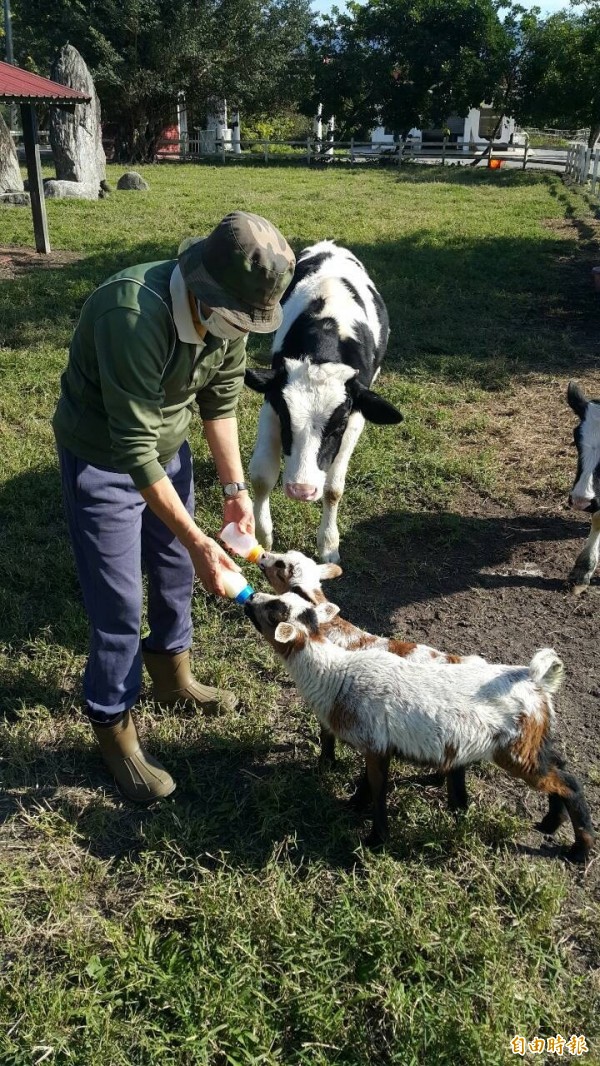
300 491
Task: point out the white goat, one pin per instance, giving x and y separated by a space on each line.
294 572
444 715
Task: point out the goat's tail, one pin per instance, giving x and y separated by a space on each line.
547 670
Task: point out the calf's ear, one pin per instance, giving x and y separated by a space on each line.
285 632
576 399
259 380
326 611
327 571
374 408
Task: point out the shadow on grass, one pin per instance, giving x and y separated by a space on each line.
235 805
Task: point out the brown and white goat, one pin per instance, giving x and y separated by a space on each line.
585 494
294 572
445 715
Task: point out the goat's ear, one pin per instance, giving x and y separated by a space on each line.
576 399
326 611
373 407
259 380
327 571
285 632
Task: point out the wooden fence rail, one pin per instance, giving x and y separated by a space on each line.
310 150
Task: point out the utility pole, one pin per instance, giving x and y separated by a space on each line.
10 57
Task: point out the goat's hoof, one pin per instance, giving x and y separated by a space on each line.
358 802
578 854
549 824
325 763
375 841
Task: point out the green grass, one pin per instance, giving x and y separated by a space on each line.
240 923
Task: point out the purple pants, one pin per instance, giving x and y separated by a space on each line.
114 533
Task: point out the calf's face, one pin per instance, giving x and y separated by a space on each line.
585 494
314 402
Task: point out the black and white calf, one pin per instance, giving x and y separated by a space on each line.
326 354
585 494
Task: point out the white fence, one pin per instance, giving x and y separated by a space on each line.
582 165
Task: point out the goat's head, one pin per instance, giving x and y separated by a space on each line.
294 572
287 621
585 494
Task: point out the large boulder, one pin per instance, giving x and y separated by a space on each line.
76 136
132 180
10 173
75 190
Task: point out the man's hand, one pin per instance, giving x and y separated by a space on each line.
209 559
239 510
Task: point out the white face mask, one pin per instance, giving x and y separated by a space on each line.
220 327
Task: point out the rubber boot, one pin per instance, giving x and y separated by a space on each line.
173 684
140 777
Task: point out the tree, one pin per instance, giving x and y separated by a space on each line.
559 78
409 62
143 52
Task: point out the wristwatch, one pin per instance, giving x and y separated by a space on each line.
232 488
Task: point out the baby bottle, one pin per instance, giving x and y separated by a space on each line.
236 586
244 544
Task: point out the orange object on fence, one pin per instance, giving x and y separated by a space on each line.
494 164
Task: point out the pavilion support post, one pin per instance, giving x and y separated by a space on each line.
34 174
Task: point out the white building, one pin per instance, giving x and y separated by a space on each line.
474 130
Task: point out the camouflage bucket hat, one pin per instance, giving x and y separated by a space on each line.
241 269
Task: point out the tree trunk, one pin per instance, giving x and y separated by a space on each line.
10 172
594 134
488 151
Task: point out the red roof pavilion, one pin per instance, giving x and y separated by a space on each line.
20 87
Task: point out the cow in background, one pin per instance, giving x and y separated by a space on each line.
585 494
326 354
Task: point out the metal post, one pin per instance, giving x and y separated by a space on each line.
34 174
236 140
308 151
10 56
525 151
595 172
352 149
586 165
444 152
266 149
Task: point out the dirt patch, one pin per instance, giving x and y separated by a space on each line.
16 261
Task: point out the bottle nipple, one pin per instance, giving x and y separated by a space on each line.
236 587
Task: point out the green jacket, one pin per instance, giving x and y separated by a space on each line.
128 392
